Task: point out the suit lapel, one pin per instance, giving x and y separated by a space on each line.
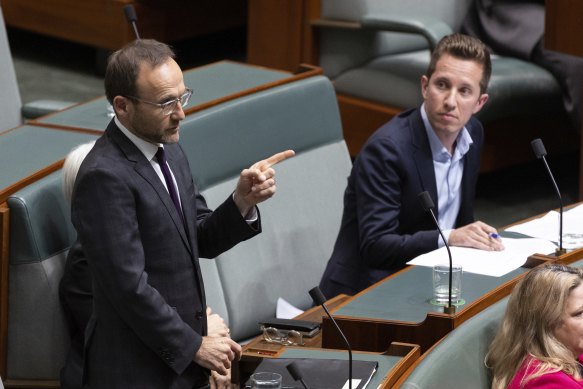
144 168
422 157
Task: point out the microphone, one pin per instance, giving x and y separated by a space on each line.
319 299
540 152
131 17
428 205
296 374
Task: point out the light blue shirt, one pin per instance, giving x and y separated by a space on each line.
449 170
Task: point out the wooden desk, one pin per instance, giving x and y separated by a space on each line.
397 309
393 361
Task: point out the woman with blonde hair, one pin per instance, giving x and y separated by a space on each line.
540 340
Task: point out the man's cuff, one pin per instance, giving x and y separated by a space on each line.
251 216
446 235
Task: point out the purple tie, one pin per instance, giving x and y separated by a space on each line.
161 157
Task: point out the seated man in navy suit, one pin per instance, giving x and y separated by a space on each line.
434 148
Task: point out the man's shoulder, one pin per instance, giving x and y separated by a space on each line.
475 128
400 128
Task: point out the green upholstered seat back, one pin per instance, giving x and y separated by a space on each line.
300 223
40 236
458 360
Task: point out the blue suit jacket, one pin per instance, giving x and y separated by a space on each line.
149 306
383 224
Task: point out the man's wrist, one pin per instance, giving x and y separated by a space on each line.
244 208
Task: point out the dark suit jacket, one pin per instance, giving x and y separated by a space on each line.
149 305
515 28
383 224
76 296
509 27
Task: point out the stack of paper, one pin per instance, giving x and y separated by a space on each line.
491 263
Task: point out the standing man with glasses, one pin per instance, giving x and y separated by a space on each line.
143 225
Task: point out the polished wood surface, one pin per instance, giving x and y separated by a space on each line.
360 118
369 334
563 31
260 348
102 24
257 349
279 35
563 27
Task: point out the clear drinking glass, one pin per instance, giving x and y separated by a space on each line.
266 380
441 284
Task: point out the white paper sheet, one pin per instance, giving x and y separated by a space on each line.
547 227
490 263
284 310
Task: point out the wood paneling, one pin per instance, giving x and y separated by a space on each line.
279 34
102 24
563 26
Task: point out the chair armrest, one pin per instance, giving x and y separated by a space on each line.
38 108
431 29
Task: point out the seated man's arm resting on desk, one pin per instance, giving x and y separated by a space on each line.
393 227
478 235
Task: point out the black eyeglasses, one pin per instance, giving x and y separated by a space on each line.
169 106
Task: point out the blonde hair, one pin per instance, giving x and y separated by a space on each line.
535 308
71 167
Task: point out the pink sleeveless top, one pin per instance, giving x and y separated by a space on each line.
557 380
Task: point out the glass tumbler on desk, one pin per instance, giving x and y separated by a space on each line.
441 284
266 380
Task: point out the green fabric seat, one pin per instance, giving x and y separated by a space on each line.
458 360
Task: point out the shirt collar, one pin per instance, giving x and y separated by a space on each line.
438 150
148 149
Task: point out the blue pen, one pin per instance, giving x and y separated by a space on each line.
494 235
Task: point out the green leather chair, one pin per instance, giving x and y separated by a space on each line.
300 222
458 360
375 52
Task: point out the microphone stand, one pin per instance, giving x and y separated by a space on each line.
130 14
428 205
319 299
540 152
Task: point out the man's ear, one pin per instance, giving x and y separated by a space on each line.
424 85
121 105
481 101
